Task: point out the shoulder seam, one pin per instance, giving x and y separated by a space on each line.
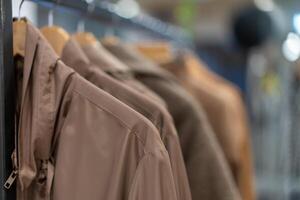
103 108
131 129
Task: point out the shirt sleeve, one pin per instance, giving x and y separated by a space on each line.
153 178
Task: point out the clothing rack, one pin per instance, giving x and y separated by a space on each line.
102 12
105 11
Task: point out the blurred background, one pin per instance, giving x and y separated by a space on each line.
254 44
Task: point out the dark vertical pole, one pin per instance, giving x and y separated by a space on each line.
7 98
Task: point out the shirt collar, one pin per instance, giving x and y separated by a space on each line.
137 63
74 57
31 42
99 56
34 42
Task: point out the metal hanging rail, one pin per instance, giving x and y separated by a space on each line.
106 12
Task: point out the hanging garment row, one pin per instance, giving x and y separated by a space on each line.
109 120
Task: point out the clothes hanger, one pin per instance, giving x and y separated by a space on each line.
159 52
82 37
110 40
199 69
85 38
19 34
110 37
55 35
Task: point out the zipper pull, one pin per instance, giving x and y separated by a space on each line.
11 179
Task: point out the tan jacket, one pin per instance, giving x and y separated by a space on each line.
77 142
108 63
208 172
74 57
226 112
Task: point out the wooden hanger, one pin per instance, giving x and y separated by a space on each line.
19 37
56 36
159 52
110 40
199 69
85 38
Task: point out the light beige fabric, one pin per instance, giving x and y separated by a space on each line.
76 141
108 63
74 57
208 172
226 112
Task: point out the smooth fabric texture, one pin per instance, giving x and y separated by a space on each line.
245 174
77 142
226 112
102 58
208 172
74 57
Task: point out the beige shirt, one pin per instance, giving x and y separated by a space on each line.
208 172
74 57
76 141
108 63
226 112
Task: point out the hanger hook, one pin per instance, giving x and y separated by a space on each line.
50 17
90 8
81 26
20 7
51 13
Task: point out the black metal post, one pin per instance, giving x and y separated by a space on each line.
7 98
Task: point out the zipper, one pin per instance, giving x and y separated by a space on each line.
11 179
13 175
14 157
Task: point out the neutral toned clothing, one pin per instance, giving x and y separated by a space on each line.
207 169
226 112
76 141
74 57
104 60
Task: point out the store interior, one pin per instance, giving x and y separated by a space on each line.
254 45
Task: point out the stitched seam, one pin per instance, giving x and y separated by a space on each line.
134 104
103 108
139 138
163 124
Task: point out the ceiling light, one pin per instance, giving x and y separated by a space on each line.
296 23
291 47
127 8
265 5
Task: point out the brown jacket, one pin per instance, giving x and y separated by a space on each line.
108 63
74 57
77 142
226 112
208 172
